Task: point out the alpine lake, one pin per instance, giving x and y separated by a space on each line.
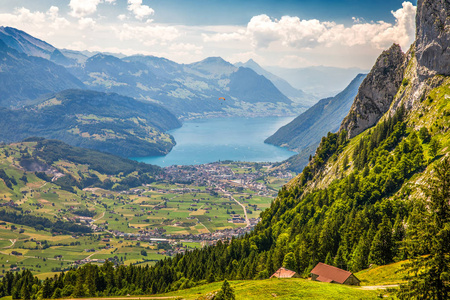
237 139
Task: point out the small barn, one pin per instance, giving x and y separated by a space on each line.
285 273
326 273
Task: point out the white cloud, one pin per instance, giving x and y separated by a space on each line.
56 22
86 23
186 47
81 8
27 20
224 37
121 17
147 34
140 11
293 32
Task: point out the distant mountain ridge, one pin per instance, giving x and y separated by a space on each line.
188 90
24 78
106 122
25 43
321 81
296 95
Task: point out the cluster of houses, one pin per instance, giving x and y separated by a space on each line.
323 273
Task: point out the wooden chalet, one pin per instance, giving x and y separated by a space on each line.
285 273
326 273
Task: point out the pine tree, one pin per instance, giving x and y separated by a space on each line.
340 260
289 261
226 293
382 246
431 273
434 147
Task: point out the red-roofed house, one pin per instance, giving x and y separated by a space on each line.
326 273
285 273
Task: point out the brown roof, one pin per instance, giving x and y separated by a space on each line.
283 273
329 273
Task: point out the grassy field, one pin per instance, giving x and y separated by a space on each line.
280 288
382 275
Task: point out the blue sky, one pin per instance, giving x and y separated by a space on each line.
289 33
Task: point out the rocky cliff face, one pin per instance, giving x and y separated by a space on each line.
433 37
376 92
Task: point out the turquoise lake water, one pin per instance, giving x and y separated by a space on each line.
209 140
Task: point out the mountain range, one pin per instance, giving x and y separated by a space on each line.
296 95
187 90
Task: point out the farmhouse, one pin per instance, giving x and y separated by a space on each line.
326 273
285 273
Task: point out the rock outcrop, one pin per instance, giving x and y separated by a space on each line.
376 92
433 37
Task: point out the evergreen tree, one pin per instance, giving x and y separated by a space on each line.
382 246
434 147
339 259
431 273
226 292
289 261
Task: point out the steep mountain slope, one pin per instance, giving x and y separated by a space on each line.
304 132
376 92
323 117
26 77
25 43
190 90
296 95
106 122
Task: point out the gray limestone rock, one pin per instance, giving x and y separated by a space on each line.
376 92
433 37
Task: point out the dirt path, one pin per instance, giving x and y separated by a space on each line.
379 287
102 215
205 227
13 241
243 207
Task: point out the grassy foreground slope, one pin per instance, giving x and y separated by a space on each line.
383 275
292 288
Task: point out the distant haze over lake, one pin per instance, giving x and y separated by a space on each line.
210 140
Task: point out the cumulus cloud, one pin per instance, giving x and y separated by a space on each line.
139 10
86 23
25 19
223 37
293 32
147 34
81 8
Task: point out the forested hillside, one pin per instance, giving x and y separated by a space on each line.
105 122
